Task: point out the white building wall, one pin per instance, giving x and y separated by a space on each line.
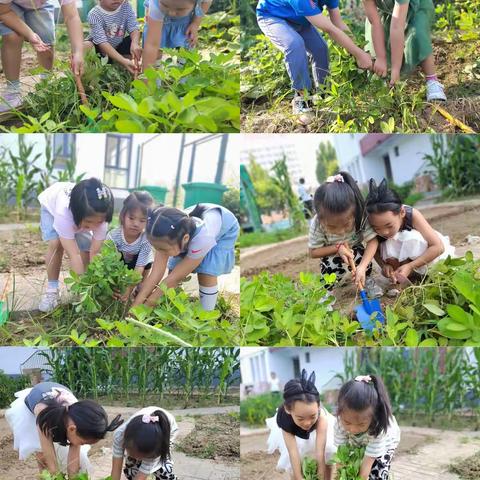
13 357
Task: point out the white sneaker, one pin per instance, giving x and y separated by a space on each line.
301 108
435 91
49 301
10 101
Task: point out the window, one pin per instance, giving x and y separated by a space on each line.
307 357
118 152
397 151
63 149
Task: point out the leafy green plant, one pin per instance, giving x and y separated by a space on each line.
45 475
8 387
256 409
309 469
349 460
105 274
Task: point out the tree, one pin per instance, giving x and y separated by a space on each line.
327 163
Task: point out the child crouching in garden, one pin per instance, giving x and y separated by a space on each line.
408 243
130 238
339 230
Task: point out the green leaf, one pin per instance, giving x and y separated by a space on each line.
434 309
411 338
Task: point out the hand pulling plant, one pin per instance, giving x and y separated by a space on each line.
349 460
309 469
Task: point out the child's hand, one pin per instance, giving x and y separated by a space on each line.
192 34
364 61
136 51
380 67
402 273
38 44
387 271
345 254
394 77
76 63
130 66
359 276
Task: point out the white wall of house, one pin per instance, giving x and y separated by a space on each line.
13 357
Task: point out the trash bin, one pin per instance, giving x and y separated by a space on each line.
200 192
159 194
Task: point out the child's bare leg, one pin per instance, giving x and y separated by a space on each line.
428 66
11 55
208 288
87 45
85 258
53 259
328 472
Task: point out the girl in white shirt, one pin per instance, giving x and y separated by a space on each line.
200 240
365 419
73 218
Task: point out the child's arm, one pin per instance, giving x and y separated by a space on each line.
117 464
95 247
435 245
378 37
336 18
192 29
110 52
364 60
158 271
366 467
73 460
342 250
73 252
397 39
48 451
10 19
182 270
152 42
320 443
75 33
294 455
359 275
135 48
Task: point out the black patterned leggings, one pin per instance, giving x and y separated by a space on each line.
165 472
334 264
381 467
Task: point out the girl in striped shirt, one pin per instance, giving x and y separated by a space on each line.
365 419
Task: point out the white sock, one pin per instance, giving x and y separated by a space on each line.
13 86
208 297
52 285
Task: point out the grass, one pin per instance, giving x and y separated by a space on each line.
468 468
264 238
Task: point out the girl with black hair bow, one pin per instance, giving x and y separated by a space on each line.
49 421
302 427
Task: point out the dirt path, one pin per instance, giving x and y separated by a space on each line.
186 467
423 454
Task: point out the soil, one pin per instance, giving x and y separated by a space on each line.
467 469
214 437
461 88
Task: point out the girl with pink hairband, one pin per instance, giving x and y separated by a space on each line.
365 419
145 439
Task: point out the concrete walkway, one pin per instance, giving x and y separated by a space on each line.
424 453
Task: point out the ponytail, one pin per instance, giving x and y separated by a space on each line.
337 195
382 199
149 435
363 393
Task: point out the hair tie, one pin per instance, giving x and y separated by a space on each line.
363 378
102 192
149 419
172 227
335 178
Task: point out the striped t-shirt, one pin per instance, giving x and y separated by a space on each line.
150 465
375 446
141 247
111 27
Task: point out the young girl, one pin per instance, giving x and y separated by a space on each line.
171 24
33 20
130 238
292 25
49 420
408 243
114 33
146 438
364 419
200 240
302 427
399 32
69 214
339 230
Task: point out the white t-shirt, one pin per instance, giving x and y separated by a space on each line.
205 239
56 200
33 4
152 464
375 446
303 194
274 384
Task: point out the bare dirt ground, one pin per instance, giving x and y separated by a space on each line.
224 466
423 454
462 88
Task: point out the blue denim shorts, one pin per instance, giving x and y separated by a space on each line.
40 20
173 31
83 239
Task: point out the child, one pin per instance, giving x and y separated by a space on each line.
339 229
109 22
33 20
399 32
305 198
200 240
130 238
49 420
292 25
171 24
302 427
408 243
146 438
364 419
69 214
